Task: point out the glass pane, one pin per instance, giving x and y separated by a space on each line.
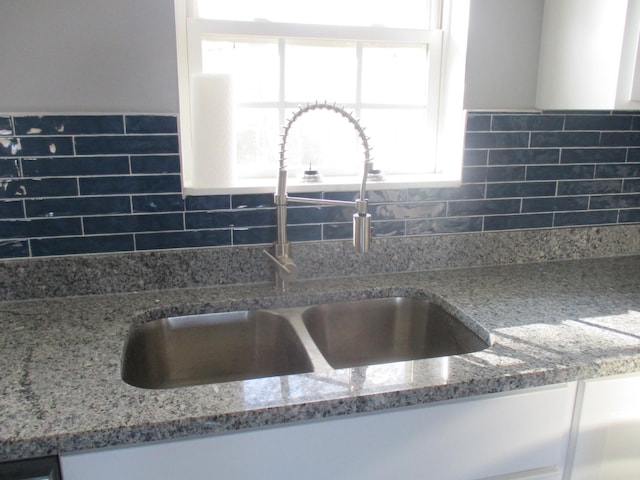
398 139
319 71
258 134
254 65
393 74
399 13
325 141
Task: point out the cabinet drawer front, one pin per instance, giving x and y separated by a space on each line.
475 438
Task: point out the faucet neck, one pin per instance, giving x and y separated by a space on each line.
331 107
285 267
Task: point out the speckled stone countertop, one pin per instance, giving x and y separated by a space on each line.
61 391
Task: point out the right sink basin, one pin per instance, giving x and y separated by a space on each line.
382 330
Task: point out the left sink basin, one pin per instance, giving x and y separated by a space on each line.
212 348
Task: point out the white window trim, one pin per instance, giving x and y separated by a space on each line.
449 141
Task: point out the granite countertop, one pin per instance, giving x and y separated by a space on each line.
60 386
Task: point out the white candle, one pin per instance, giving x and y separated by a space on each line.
212 129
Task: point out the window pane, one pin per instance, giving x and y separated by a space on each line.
393 74
320 71
398 138
399 13
254 65
258 134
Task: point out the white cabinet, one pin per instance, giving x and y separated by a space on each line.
508 436
606 442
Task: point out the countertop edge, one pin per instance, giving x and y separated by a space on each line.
230 422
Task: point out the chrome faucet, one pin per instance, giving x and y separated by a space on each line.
286 268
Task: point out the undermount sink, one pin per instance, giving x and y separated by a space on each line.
231 346
211 348
383 330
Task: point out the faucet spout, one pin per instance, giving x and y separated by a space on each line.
285 267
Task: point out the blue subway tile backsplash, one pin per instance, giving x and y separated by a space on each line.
68 124
564 139
565 219
77 206
589 187
126 144
9 168
6 126
555 204
620 139
208 202
42 247
37 146
497 139
515 122
158 203
112 185
155 164
629 216
601 122
41 228
483 207
80 184
631 185
521 189
593 155
151 124
517 156
133 223
11 210
14 249
38 187
184 239
75 166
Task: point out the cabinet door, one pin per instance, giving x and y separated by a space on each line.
607 431
522 434
589 55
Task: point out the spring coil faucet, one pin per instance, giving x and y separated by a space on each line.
285 267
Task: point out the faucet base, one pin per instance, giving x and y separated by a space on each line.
286 269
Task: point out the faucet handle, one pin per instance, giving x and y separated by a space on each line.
287 268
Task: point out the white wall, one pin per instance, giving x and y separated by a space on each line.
87 56
119 55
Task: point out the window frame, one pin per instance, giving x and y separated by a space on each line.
446 86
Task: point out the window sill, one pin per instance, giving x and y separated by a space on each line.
334 184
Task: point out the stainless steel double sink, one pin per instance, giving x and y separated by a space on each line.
231 346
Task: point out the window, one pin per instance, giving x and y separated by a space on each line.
246 66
